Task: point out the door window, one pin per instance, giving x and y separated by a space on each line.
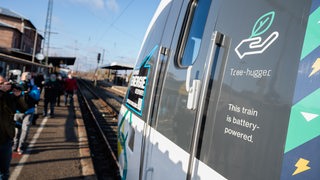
193 32
174 120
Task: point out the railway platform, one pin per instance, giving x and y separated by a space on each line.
57 148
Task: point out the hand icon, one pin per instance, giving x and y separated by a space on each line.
254 45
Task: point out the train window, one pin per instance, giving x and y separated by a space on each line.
149 51
155 35
191 37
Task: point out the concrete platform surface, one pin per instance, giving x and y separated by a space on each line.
57 148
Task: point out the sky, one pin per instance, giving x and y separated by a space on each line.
84 28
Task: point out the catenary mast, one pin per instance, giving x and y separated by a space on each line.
47 31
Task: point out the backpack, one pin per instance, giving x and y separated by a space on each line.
35 93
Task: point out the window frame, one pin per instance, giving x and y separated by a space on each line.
184 36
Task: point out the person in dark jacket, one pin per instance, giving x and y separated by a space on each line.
9 103
39 81
51 88
26 117
60 88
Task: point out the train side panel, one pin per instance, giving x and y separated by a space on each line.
225 90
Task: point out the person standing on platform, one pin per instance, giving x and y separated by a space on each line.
70 87
39 81
31 96
60 88
9 103
51 89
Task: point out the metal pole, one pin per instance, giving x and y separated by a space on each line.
34 45
48 30
102 56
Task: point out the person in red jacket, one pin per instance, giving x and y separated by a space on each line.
70 88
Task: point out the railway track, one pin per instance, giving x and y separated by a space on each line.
100 110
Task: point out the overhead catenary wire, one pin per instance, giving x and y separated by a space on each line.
115 20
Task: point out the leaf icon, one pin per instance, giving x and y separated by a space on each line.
263 24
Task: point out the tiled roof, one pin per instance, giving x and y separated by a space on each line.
10 13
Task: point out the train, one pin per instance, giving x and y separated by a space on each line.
225 89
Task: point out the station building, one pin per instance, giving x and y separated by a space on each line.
20 46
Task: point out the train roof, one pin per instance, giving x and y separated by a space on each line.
56 61
117 66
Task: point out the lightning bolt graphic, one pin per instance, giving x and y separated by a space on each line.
315 67
302 165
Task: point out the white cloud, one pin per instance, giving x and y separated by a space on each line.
100 4
112 5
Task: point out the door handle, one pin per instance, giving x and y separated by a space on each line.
193 90
188 88
149 170
218 40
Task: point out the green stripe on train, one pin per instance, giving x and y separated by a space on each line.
312 40
304 121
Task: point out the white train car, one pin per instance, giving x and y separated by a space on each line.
15 75
225 89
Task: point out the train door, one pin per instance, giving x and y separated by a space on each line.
136 117
244 108
173 115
